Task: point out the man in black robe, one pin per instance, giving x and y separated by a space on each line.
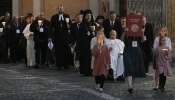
146 46
40 28
7 37
2 45
74 28
112 23
59 32
83 44
99 20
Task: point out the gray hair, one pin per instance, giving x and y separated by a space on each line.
113 31
15 17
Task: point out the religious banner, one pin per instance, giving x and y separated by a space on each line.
134 23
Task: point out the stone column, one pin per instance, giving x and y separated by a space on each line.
15 6
36 7
114 5
94 5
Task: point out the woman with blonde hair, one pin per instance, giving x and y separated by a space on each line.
98 30
162 32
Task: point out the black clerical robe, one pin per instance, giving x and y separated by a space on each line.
7 33
59 32
74 33
17 34
83 46
146 46
2 46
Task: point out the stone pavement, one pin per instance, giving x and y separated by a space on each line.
18 82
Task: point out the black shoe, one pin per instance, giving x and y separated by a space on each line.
47 65
59 68
163 90
66 67
130 90
42 66
37 66
13 61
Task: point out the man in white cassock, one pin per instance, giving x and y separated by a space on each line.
116 48
30 43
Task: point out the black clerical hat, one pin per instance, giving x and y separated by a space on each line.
99 17
30 14
88 11
81 12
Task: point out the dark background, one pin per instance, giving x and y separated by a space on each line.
5 6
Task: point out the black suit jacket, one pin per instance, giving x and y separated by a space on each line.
117 27
40 36
14 27
73 33
149 37
55 25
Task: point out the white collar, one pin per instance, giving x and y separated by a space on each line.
61 17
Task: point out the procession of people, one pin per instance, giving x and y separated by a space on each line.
99 48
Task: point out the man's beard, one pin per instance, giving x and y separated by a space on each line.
88 20
61 12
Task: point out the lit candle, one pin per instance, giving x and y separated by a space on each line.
4 23
39 22
67 20
1 29
93 28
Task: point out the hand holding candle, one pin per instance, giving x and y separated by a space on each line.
93 28
67 20
165 51
1 30
39 22
3 23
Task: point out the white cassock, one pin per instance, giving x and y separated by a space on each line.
30 46
116 61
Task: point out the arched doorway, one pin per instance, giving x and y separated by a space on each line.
153 10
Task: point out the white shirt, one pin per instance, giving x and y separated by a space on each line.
61 17
112 22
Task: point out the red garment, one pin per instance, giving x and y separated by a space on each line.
102 60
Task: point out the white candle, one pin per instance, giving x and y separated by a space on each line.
4 23
165 49
67 20
1 29
39 22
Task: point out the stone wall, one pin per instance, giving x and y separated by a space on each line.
25 6
71 7
171 24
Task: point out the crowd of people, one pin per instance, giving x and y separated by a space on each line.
98 48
